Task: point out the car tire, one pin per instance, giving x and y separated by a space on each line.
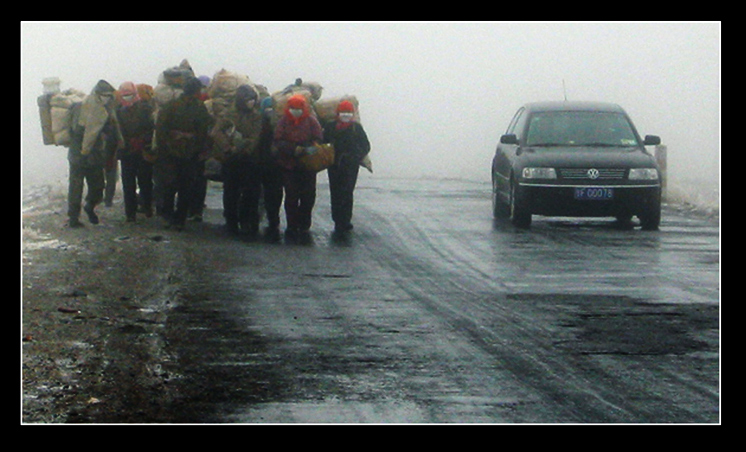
651 219
499 209
520 216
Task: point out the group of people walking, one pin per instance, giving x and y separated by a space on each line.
163 157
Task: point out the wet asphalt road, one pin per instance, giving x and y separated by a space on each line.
432 312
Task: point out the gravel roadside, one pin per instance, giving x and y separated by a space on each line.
93 301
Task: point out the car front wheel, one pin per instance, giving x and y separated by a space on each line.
499 209
520 215
650 220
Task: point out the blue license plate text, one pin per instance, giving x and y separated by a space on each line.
594 193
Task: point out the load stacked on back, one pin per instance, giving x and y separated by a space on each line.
55 110
170 86
326 109
171 83
222 92
310 90
61 109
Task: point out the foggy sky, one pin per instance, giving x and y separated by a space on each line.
434 97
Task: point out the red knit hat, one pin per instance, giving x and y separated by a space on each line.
345 106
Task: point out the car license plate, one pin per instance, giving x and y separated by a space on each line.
594 193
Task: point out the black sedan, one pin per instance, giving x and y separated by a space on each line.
575 159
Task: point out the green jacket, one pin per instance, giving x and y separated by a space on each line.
238 134
182 127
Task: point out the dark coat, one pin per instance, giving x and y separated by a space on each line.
182 128
351 144
137 125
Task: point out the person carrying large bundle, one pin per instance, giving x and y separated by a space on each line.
351 147
136 122
181 134
171 83
95 137
236 136
296 130
326 111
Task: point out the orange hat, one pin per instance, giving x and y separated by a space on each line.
297 101
145 91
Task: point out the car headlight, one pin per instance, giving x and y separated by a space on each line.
539 173
643 174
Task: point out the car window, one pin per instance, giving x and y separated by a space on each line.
517 117
580 128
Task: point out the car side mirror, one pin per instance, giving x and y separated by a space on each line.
510 138
652 140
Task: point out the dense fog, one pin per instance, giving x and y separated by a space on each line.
434 97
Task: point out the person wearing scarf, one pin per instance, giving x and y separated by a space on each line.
136 122
181 135
95 139
296 130
351 146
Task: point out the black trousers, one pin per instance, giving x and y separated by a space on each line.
342 181
80 175
200 192
136 172
271 181
241 193
177 177
300 197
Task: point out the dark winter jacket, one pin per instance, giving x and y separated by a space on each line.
182 127
243 141
136 123
351 144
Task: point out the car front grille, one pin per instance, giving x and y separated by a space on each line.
592 173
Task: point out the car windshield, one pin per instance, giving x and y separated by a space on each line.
580 128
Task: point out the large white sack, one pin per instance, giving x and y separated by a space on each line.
163 93
326 109
62 116
225 83
66 98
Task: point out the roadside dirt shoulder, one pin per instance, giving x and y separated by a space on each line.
93 300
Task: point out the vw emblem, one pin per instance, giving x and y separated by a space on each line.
593 173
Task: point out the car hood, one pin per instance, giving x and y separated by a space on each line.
584 156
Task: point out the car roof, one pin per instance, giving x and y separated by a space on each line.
573 106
